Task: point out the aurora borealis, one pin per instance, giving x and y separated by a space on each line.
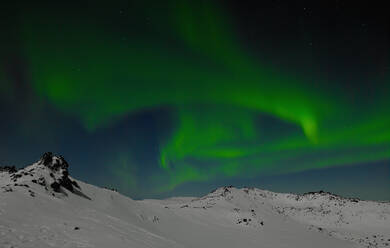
153 96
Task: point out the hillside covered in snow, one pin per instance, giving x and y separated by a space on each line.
41 205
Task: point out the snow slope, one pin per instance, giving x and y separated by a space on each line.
42 206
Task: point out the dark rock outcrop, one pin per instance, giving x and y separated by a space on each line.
57 164
56 187
9 169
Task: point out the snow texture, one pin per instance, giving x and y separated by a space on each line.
42 206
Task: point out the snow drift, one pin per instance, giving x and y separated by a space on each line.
43 206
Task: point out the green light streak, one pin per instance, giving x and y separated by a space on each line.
215 88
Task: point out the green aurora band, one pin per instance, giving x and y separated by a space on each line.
219 94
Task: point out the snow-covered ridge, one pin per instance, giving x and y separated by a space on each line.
50 172
42 206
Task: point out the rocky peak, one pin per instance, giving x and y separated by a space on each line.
59 172
51 172
53 162
221 191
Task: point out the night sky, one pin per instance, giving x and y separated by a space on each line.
177 97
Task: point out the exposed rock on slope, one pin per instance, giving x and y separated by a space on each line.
42 206
50 172
60 173
9 169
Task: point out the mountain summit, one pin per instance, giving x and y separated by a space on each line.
41 205
50 172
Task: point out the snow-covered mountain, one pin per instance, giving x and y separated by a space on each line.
42 206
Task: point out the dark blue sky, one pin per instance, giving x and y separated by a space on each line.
179 97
